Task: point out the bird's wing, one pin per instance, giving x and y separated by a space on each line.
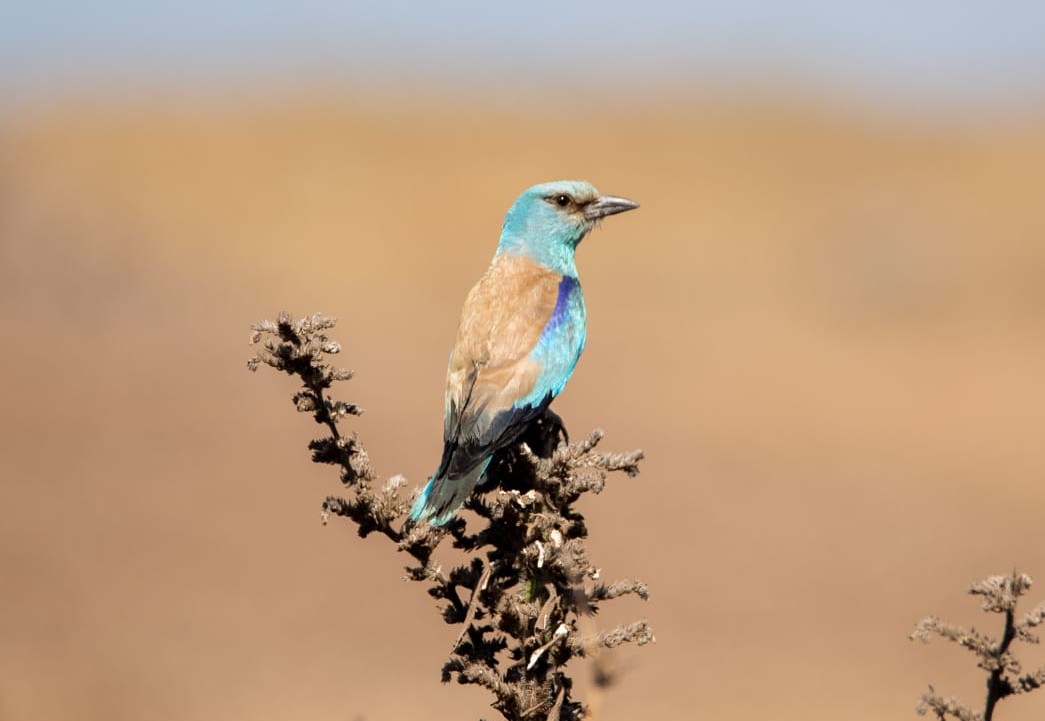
520 335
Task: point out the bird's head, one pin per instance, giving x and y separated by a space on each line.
549 220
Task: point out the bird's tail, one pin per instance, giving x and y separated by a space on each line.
442 496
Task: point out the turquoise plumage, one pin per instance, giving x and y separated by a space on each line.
522 331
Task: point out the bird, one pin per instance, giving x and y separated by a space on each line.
522 330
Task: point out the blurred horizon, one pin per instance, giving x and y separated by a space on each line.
926 58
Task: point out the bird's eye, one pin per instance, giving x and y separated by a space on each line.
562 200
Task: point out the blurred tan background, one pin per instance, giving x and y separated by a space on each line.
825 327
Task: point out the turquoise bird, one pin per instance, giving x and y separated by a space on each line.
522 330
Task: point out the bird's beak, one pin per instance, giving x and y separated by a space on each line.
608 205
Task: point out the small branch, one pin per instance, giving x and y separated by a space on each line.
472 604
998 687
529 563
1000 595
944 707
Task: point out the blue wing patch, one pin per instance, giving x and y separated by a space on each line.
560 345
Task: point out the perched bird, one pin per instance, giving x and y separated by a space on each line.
522 330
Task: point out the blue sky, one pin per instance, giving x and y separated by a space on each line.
955 52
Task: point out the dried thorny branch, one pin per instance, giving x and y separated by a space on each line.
524 599
1005 674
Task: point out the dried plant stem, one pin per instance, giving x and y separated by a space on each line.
997 687
529 585
1000 595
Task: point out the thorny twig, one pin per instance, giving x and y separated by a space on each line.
529 582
